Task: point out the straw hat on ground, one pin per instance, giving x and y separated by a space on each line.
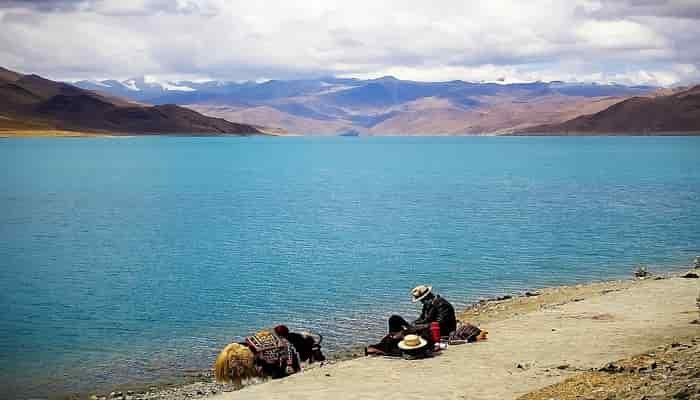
419 292
412 342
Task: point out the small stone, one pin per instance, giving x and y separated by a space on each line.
612 368
563 366
682 394
328 374
691 275
641 272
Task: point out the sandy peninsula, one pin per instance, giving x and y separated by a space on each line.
551 343
50 133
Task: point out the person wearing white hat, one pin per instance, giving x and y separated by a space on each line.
435 309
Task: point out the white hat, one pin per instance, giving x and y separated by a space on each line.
419 292
412 342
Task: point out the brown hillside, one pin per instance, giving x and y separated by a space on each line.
677 113
33 102
9 76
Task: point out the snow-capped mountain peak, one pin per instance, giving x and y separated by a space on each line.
172 86
131 85
155 83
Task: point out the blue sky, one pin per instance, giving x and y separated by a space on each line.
625 41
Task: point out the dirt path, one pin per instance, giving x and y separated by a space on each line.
533 348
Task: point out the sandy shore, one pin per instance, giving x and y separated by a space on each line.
580 328
536 340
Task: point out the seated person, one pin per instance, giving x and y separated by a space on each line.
435 309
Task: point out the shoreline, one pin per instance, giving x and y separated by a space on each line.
57 133
199 384
54 133
524 353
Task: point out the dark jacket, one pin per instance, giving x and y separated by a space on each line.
441 311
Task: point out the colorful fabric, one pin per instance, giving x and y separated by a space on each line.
264 340
272 349
268 347
465 331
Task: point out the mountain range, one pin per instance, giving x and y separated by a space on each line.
345 106
672 113
387 105
30 102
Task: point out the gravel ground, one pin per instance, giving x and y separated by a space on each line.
667 372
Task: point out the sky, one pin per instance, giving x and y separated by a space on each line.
623 41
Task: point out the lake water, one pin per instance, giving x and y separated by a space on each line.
132 260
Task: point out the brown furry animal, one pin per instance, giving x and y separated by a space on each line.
235 363
267 354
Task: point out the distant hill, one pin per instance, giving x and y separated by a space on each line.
387 105
674 113
31 102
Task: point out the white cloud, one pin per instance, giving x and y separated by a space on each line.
618 35
452 39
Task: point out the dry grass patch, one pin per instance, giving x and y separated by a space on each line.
668 372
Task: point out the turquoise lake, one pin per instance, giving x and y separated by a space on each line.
134 260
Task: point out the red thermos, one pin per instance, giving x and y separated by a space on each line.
435 331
